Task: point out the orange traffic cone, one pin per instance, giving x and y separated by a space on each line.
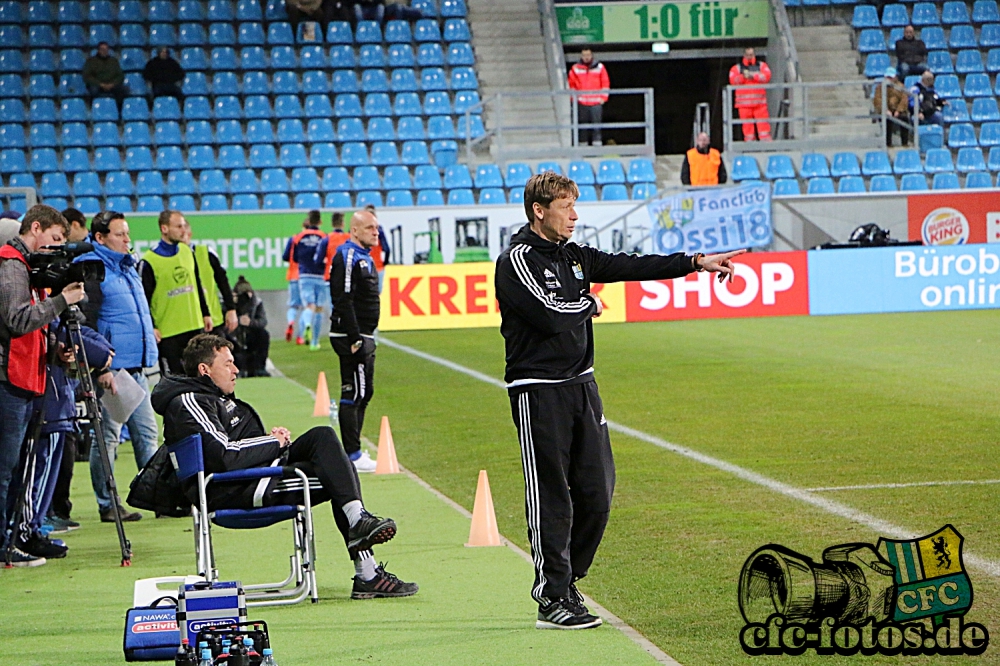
484 519
386 463
322 406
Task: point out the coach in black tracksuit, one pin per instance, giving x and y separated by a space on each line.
543 287
353 320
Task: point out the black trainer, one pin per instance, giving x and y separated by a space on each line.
370 530
565 614
577 597
19 558
384 584
40 546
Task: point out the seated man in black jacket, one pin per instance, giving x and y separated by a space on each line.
164 75
233 437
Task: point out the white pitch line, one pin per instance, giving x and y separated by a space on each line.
879 526
647 645
917 484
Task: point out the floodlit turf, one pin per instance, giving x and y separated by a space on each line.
470 609
809 401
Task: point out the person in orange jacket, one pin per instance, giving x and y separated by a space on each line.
589 74
751 101
703 164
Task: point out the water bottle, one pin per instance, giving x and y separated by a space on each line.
184 656
335 414
206 658
268 658
248 646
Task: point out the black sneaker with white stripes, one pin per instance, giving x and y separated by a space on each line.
369 531
566 614
384 584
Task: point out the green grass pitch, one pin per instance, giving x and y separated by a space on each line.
809 401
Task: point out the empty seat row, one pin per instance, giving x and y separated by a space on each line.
130 11
815 165
940 62
959 37
953 12
912 182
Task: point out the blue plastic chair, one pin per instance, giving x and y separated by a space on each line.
285 83
925 13
139 158
201 158
12 160
405 80
12 136
437 103
894 16
257 107
989 134
181 183
368 32
350 129
853 184
287 106
745 167
337 200
845 164
985 109
488 175
411 129
978 85
318 106
955 111
227 107
293 155
230 131
198 132
213 202
415 153
453 9
426 7
440 127
397 178
993 57
280 34
231 157
426 30
461 197
273 180
954 12
70 135
940 63
398 32
315 83
371 55
398 198
169 158
978 179
426 177
962 135
517 174
907 161
77 160
993 161
249 10
876 64
610 172
430 197
985 11
190 10
12 111
463 78
106 134
871 40
243 181
640 170
263 156
779 166
786 187
42 135
970 159
640 192
336 179
339 32
913 182
457 30
384 153
285 58
43 60
220 10
221 34
614 192
945 181
969 61
587 193
457 177
369 198
304 179
347 105
407 104
354 154
44 111
581 172
307 201
401 55
246 201
312 58
290 131
820 185
223 59
256 83
381 129
963 37
938 160
119 184
341 57
374 80
43 160
460 53
54 185
814 165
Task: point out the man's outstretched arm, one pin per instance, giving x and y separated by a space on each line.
606 267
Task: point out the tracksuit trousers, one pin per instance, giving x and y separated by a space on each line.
357 384
569 478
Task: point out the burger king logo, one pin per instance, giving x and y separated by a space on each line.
945 226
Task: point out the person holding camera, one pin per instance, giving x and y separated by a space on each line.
25 315
116 308
251 337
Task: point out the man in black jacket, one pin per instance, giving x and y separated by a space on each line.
233 437
251 337
911 54
354 294
164 75
543 287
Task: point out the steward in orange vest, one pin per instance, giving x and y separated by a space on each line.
703 164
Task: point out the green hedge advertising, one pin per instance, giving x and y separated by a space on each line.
670 21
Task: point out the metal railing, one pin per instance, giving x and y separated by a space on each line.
814 123
786 43
8 194
507 125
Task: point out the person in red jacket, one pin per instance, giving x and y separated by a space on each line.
588 74
751 101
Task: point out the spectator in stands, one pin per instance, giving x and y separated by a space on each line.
164 75
381 11
252 339
751 101
104 76
77 226
10 225
315 11
897 106
589 74
380 251
703 164
930 103
911 54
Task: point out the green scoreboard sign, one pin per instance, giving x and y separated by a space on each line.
669 21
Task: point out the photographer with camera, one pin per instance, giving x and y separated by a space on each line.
25 315
116 308
251 337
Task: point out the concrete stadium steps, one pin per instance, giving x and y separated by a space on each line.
510 58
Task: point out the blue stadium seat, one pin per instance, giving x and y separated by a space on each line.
426 7
131 35
925 13
287 106
221 34
970 159
339 32
10 11
12 136
397 198
230 131
227 107
989 36
225 83
492 195
345 81
42 135
347 105
384 153
257 83
938 160
190 10
335 179
280 34
426 177
307 200
411 129
945 181
398 32
440 127
894 16
453 9
42 36
430 54
430 197
149 204
220 10
350 129
76 160
12 111
461 197
969 61
42 60
44 111
169 158
342 57
583 174
963 37
457 30
640 192
985 109
426 30
985 11
744 168
993 161
42 85
488 175
223 59
465 100
285 83
989 134
954 12
243 181
313 58
367 198
73 135
517 174
813 165
380 129
415 153
273 180
318 106
87 184
407 104
405 80
457 177
284 57
875 163
610 171
54 185
139 158
22 180
132 59
640 170
11 61
913 182
955 111
377 104
368 32
784 187
907 161
43 160
587 193
779 166
195 108
354 154
232 157
320 129
961 135
71 11
213 202
70 36
101 11
337 200
947 86
614 192
978 179
119 184
164 34
159 11
249 10
845 164
120 203
164 108
293 155
445 152
181 202
876 64
201 158
854 184
820 185
463 78
290 131
198 132
374 80
993 58
865 16
978 85
323 155
304 179
12 160
401 55
371 55
871 40
263 155
106 134
398 178
895 35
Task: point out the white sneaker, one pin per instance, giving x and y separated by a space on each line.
364 463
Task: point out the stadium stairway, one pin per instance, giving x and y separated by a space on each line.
510 58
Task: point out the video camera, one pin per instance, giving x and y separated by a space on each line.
53 267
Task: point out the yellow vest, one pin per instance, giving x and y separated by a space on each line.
175 306
208 285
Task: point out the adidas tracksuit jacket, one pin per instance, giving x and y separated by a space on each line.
543 289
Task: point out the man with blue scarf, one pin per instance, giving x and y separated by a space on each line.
117 309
